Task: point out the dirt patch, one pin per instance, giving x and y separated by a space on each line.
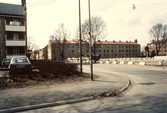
24 81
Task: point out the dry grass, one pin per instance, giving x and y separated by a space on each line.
23 81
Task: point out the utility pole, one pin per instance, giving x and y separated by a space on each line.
25 13
90 45
80 41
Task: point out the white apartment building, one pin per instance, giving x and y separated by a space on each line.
13 30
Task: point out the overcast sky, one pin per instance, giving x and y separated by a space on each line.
123 23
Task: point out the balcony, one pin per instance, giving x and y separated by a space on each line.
11 56
15 26
15 43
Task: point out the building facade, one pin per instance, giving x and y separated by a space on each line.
13 30
163 50
105 49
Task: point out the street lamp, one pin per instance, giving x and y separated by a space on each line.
90 45
80 43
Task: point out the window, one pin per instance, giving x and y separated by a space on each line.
96 46
72 51
15 36
0 51
15 20
15 51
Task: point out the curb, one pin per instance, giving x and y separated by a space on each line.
25 108
126 86
116 92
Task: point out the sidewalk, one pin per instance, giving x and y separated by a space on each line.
42 96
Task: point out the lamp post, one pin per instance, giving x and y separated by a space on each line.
90 45
80 43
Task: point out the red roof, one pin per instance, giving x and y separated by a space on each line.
99 42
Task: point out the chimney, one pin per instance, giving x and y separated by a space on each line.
135 40
23 2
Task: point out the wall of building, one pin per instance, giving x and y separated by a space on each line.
49 51
163 50
105 50
2 39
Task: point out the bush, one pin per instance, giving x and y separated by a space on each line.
54 69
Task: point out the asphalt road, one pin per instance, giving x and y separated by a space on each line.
147 93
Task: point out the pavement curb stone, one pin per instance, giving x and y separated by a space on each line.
25 108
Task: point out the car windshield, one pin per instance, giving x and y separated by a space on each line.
20 60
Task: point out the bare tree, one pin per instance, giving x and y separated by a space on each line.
61 35
31 46
98 30
158 33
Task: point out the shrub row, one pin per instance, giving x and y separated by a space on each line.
47 68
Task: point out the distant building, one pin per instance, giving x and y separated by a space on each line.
163 50
41 54
13 30
106 49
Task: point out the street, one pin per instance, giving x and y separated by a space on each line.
146 94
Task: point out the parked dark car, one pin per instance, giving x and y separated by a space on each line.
5 63
20 65
96 57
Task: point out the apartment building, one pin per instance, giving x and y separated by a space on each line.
106 49
163 50
13 30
